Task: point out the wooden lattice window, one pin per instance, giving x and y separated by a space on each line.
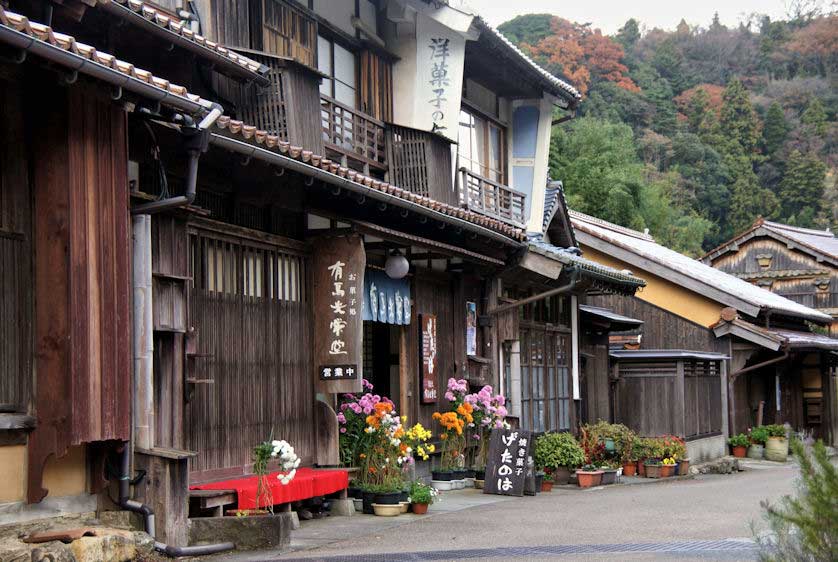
288 32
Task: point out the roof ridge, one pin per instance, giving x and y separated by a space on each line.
610 225
799 229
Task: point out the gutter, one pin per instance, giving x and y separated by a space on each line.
78 63
271 157
220 62
574 280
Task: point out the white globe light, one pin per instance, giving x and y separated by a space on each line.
396 266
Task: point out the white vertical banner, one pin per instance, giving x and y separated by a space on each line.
574 345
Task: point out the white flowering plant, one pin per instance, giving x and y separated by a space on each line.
265 452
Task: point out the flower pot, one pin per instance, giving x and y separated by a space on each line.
609 476
420 508
388 498
589 478
478 484
460 474
630 468
777 449
403 497
354 492
546 486
469 482
653 470
684 467
359 504
740 451
470 473
443 485
367 499
480 475
442 475
667 470
404 506
387 509
561 475
755 451
641 467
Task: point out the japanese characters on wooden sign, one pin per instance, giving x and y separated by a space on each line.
428 342
337 284
506 468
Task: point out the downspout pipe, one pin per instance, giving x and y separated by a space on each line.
147 513
196 142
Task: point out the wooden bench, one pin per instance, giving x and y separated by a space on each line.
213 501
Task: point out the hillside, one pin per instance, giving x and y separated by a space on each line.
694 133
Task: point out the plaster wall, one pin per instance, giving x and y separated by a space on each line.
13 460
709 448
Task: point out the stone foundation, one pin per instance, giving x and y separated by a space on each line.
247 533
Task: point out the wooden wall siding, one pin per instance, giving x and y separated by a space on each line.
376 81
82 274
170 267
702 398
250 309
645 397
596 385
168 390
281 29
745 260
15 255
662 329
289 107
432 294
421 162
228 22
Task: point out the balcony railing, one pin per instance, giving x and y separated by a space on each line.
353 133
491 198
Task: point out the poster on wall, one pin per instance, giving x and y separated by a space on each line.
428 343
471 328
337 293
506 466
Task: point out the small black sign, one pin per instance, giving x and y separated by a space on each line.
506 468
338 372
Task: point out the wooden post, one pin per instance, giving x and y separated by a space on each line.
405 392
679 427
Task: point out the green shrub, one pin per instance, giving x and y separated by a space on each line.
740 440
759 435
553 450
422 493
805 527
775 430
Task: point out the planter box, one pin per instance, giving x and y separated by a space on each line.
777 449
589 479
653 470
609 476
630 468
684 467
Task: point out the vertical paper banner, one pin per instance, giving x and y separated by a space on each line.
427 355
337 285
471 328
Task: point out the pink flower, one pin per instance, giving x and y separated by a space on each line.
366 384
341 418
343 430
449 396
355 407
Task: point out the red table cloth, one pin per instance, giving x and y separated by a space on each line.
307 483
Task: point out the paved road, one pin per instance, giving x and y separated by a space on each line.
705 518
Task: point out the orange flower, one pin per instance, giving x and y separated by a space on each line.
372 470
436 415
383 408
373 421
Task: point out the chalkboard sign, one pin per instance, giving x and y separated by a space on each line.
506 468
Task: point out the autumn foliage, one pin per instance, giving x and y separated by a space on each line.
582 55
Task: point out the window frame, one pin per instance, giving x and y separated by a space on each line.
482 164
331 41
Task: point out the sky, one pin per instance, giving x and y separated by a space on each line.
610 15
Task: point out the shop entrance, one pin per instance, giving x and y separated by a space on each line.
382 359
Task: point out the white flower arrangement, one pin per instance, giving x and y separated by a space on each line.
288 459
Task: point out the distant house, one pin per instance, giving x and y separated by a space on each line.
716 354
799 263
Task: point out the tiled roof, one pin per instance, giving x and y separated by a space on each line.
45 34
782 338
181 29
550 78
624 279
272 142
645 247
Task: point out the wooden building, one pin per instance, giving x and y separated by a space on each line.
799 263
296 197
714 355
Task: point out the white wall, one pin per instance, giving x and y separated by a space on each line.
337 12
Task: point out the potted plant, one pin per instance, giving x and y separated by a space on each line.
653 468
421 496
452 424
609 472
758 436
559 453
588 476
640 452
739 444
667 467
547 482
777 444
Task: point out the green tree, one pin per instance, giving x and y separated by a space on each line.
737 119
802 187
529 28
814 117
805 526
629 34
776 128
748 199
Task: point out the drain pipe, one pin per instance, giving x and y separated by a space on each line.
126 502
196 142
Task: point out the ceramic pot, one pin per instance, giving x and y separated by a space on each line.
443 485
404 506
589 478
755 451
442 475
667 470
389 498
739 452
561 475
630 468
387 509
420 508
684 467
546 486
609 476
653 470
777 449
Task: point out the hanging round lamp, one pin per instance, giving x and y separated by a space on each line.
396 265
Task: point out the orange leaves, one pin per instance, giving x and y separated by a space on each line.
582 54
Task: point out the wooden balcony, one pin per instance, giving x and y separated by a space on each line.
491 198
353 133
